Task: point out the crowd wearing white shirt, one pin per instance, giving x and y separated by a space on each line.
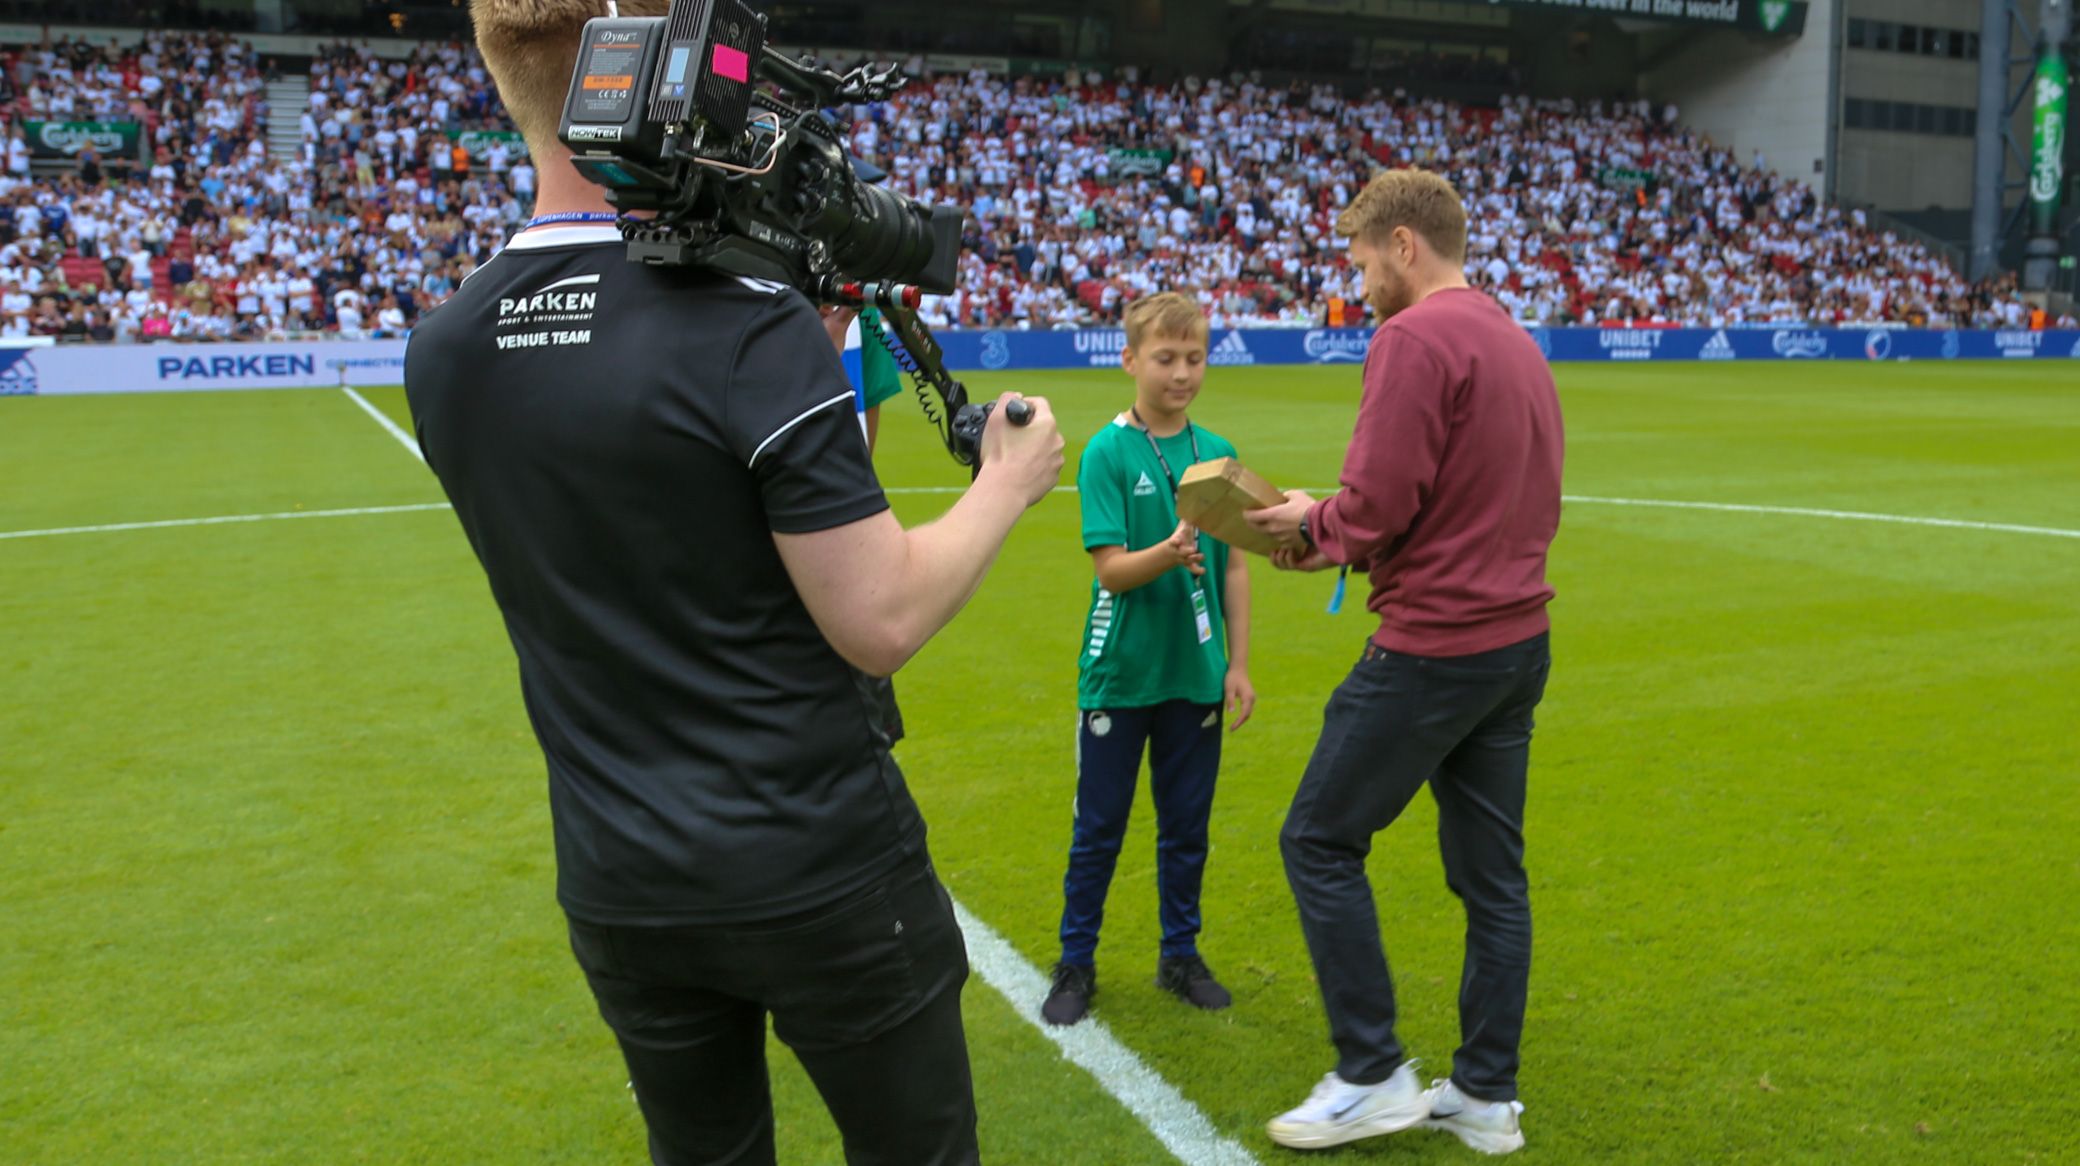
1581 214
1082 193
373 218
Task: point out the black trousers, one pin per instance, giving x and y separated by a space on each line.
1463 725
866 991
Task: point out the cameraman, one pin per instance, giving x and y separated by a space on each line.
663 476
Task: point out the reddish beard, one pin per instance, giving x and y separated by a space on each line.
1392 296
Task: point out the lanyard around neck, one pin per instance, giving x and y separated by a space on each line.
569 217
1190 434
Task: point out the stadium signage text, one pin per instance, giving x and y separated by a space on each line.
1799 345
236 367
1327 346
151 368
145 368
62 139
1775 17
1629 345
1011 349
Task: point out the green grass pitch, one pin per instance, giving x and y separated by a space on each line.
274 849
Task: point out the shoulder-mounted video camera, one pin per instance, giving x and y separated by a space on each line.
723 144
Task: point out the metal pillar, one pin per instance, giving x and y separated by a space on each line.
1990 155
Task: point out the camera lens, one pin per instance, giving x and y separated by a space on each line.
884 239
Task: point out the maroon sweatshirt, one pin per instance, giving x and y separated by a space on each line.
1451 485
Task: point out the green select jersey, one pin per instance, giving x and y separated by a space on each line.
1169 639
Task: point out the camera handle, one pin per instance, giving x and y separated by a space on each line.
945 400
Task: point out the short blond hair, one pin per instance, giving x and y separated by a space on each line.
531 48
1423 202
1170 315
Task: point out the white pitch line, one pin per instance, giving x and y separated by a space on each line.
1846 515
1090 1046
1659 503
223 520
404 439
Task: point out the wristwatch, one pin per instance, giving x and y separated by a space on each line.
1306 535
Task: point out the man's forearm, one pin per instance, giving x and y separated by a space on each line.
946 561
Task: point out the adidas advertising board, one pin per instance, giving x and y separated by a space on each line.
1232 350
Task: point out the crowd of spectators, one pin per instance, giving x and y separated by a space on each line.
1082 195
1582 214
375 215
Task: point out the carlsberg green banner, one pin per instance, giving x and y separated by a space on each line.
1125 163
63 139
478 142
2047 169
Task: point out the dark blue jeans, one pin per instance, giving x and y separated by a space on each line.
1184 756
1463 725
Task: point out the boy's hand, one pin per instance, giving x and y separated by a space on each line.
1183 548
1241 697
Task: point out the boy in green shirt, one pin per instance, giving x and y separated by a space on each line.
1165 646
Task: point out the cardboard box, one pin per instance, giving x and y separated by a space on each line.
1213 496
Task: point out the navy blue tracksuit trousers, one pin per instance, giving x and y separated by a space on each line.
1183 741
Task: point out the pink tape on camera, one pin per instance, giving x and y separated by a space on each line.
732 63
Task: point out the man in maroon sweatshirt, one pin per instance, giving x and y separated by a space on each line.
1450 496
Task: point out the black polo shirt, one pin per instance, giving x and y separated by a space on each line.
620 443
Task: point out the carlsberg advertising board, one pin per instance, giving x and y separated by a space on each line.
2047 170
63 139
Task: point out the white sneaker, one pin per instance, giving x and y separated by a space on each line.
1488 1126
1338 1111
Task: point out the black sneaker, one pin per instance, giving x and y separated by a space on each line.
1190 980
1069 996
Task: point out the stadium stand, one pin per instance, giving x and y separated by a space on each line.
1083 195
